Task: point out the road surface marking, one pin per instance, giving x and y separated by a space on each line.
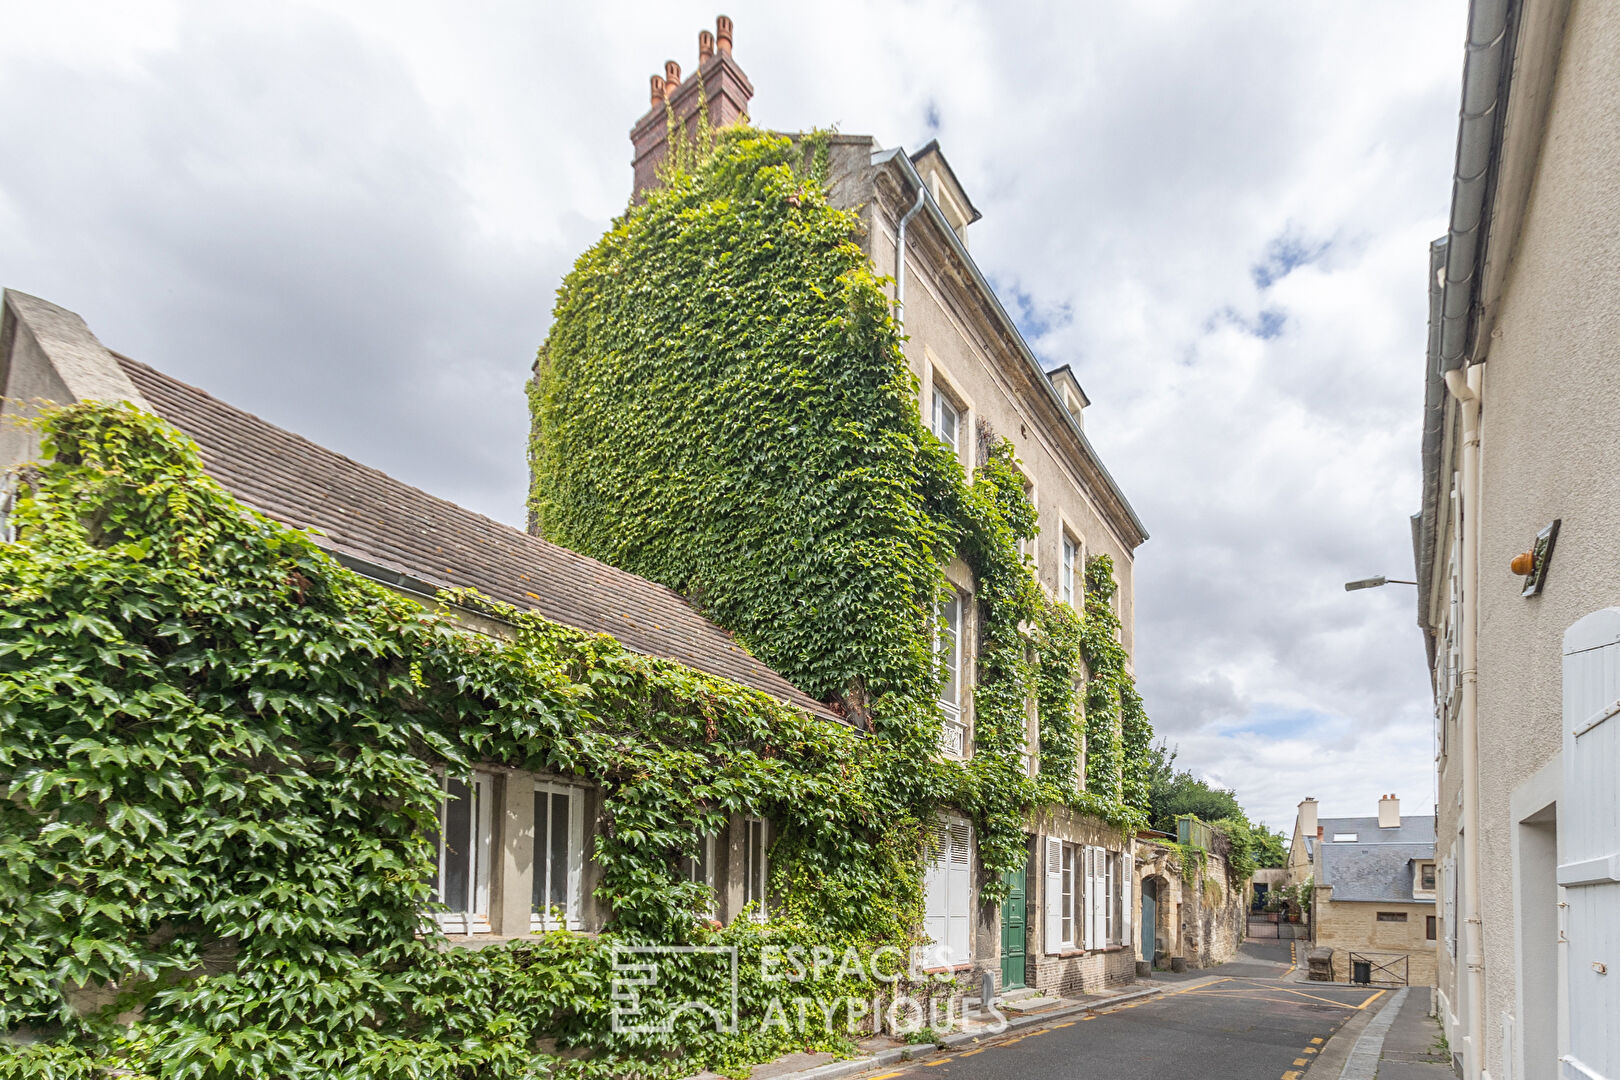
1376 995
887 1075
1291 1074
941 1061
1297 1061
1071 1023
1317 1040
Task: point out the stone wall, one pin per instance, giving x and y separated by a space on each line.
1354 926
1201 921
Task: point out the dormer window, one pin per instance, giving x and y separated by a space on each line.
1344 838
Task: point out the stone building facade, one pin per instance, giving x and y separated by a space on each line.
978 380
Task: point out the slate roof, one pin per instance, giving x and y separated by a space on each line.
367 515
1373 871
1377 865
1412 830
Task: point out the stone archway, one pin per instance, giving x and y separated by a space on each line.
1157 912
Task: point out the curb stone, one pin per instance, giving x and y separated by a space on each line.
1334 1062
1362 1063
835 1069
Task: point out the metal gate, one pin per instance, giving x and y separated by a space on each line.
1367 970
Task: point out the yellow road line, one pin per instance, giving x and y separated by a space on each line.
965 1053
1071 1023
1317 1040
941 1061
1254 990
1297 1061
1309 1050
1376 995
885 1076
1291 1074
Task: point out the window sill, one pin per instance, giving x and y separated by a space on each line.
1070 954
955 970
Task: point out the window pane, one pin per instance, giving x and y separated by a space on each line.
542 849
1068 894
458 845
559 850
951 617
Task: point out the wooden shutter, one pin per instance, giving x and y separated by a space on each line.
1589 843
1052 932
1086 882
1099 889
936 897
1127 868
959 925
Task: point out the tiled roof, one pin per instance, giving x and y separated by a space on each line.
1373 871
1412 830
367 515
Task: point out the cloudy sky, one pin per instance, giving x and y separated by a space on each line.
351 218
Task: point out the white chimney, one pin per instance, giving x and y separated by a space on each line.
1389 812
1307 817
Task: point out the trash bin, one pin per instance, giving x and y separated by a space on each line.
1361 971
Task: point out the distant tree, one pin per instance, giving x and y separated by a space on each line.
1173 792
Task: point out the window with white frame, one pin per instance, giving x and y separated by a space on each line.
948 651
756 865
948 896
947 420
701 869
1068 569
1088 896
465 852
8 504
559 856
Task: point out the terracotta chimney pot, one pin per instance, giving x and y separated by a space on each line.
722 34
705 46
658 91
672 75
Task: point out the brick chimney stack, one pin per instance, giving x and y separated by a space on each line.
718 80
1389 812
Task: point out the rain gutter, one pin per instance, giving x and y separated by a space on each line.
1485 70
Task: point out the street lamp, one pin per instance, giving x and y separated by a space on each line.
1373 583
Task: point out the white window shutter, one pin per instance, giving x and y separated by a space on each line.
1099 889
1085 880
936 897
959 926
1127 868
1589 842
1052 936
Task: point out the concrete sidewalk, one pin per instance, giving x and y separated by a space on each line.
1400 1041
1412 1049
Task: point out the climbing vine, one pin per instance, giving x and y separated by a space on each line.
217 745
723 405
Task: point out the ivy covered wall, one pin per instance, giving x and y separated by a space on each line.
723 405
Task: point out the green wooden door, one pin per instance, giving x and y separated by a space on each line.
1013 932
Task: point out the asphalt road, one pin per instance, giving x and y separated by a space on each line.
1248 1025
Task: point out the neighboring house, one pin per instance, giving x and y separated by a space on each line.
515 847
1069 926
1518 546
1373 902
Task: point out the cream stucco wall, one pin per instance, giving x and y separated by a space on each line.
1550 441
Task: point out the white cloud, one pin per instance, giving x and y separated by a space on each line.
351 219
